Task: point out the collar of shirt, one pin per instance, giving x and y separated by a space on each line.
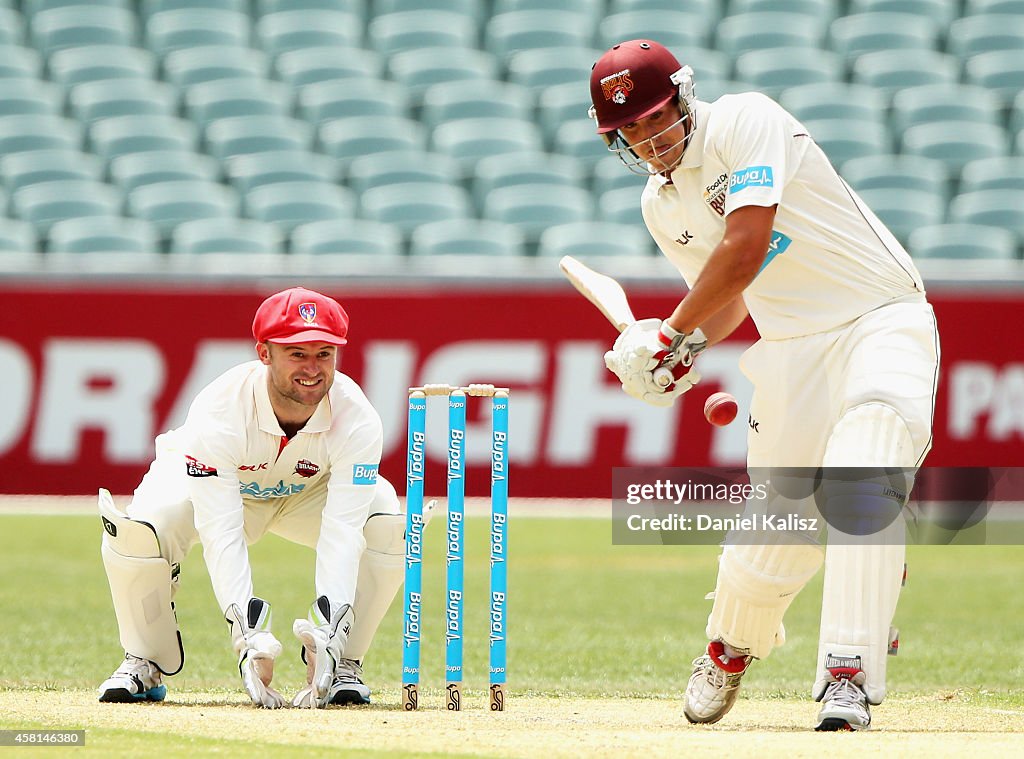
267 419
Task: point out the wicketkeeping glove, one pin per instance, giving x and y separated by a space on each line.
323 636
257 648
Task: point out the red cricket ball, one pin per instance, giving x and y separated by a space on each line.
720 409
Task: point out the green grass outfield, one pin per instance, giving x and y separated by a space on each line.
600 643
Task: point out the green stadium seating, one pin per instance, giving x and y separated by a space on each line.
594 238
758 31
29 97
348 139
251 170
321 64
347 237
12 29
826 10
472 8
853 36
776 69
80 25
37 166
238 135
993 174
296 29
342 98
955 143
677 30
526 168
994 208
35 132
479 237
942 102
106 98
186 28
224 98
45 204
168 204
150 7
1001 71
410 30
103 234
962 242
903 210
891 70
19 62
291 204
971 35
579 139
227 235
120 135
469 140
979 7
562 103
17 237
547 67
356 8
419 69
137 169
897 172
841 142
943 11
400 167
535 207
411 204
509 33
837 100
475 99
611 174
188 67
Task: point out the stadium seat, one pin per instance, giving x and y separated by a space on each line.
400 166
296 29
226 235
508 33
343 98
535 207
580 140
825 10
137 169
224 98
120 135
409 30
347 237
419 69
168 204
853 36
891 70
469 140
19 62
17 237
320 64
705 62
34 132
238 135
28 97
97 62
475 99
80 25
186 28
758 31
993 174
12 30
836 100
897 172
587 10
289 204
192 66
775 69
246 172
611 174
470 237
526 168
347 139
542 68
355 7
903 210
979 7
37 166
1017 113
103 234
621 206
941 102
993 208
955 143
712 89
677 30
92 101
594 238
408 205
150 7
942 11
841 142
971 35
44 204
562 103
31 7
962 242
1001 71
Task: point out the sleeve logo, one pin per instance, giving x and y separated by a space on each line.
364 474
195 468
752 176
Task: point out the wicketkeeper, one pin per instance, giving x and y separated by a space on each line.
285 444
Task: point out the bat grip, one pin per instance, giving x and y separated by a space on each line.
663 377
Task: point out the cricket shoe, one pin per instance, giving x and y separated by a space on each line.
714 684
135 680
844 703
348 687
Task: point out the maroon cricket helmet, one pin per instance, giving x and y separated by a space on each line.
631 81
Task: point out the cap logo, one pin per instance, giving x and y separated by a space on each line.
308 313
617 86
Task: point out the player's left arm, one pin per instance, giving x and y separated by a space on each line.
723 323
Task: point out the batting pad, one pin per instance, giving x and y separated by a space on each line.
140 587
381 571
863 573
756 584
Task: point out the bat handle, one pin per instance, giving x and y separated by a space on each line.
663 377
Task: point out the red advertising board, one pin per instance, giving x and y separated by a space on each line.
91 374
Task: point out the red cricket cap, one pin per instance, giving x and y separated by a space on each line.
630 82
299 315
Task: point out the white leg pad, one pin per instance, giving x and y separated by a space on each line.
140 587
863 574
756 584
381 570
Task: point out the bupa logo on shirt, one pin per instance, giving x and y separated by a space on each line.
752 176
364 474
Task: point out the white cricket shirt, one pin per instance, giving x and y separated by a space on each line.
233 450
831 259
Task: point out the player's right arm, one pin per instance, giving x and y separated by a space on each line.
724 322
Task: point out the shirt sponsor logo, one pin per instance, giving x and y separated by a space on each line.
752 176
195 468
253 467
280 490
364 474
616 87
306 468
684 238
714 194
777 246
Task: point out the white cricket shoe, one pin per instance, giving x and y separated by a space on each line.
348 687
135 680
714 684
844 703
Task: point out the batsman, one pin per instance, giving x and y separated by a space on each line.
284 444
746 206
